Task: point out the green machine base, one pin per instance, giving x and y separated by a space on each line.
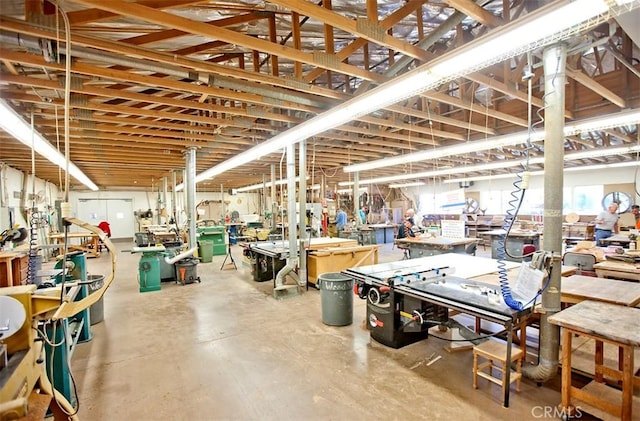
149 272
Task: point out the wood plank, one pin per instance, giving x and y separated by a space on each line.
608 394
476 12
577 288
349 25
177 22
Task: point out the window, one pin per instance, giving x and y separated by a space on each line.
585 200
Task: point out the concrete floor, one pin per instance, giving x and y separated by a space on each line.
225 349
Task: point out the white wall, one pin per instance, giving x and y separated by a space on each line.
14 182
244 203
248 203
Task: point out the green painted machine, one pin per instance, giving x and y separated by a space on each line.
214 234
149 276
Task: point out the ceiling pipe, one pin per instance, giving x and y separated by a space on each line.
35 44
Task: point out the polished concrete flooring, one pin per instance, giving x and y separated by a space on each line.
225 349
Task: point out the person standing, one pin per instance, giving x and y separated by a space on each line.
635 211
362 214
341 219
606 223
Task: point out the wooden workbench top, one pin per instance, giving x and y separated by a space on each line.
437 241
619 266
59 235
608 321
578 288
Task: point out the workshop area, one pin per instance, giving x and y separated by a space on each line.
225 349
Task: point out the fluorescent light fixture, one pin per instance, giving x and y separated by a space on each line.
597 153
605 122
487 177
548 25
604 166
503 164
342 191
261 185
13 124
537 173
414 184
597 123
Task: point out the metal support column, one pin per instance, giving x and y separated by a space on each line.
274 208
302 220
190 189
554 61
356 197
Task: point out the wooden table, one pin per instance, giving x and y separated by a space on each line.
617 239
577 288
89 242
605 323
430 246
619 270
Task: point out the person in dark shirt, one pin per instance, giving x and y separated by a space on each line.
405 229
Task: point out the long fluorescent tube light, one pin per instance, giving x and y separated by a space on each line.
548 25
261 185
536 173
414 184
343 191
590 124
495 165
13 124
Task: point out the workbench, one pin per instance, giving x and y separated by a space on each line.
335 259
431 246
605 323
269 257
514 243
618 269
577 288
407 297
617 239
384 233
13 268
89 242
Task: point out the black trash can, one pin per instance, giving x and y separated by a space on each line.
96 310
337 299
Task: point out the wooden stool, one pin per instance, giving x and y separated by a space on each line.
497 351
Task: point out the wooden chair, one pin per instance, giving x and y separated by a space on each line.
496 352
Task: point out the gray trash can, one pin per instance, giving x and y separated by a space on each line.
337 299
96 310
